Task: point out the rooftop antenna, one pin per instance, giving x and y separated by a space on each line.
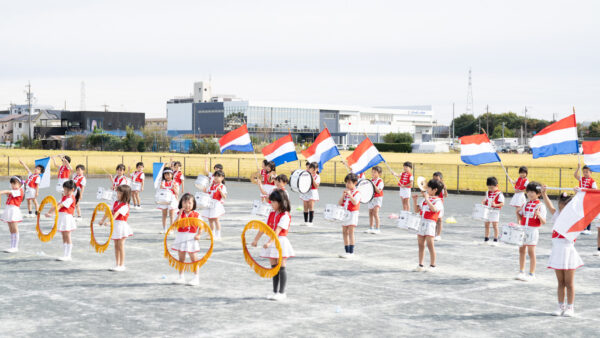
29 99
82 97
105 107
470 95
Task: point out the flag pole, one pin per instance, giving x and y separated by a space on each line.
386 164
578 153
501 164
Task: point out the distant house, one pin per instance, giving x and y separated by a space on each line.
6 128
15 127
156 124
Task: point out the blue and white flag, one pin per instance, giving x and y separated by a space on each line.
45 176
157 172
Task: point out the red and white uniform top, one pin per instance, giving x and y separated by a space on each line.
587 183
15 197
496 197
405 180
80 181
521 183
346 203
67 204
554 233
33 180
265 177
215 194
361 175
138 176
316 180
64 172
191 214
178 177
428 214
171 185
120 211
378 182
280 219
528 216
119 180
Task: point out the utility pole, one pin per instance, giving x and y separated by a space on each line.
105 107
525 124
503 123
29 98
453 135
487 118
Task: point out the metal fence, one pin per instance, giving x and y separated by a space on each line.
458 178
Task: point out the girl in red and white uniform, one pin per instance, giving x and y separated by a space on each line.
66 222
350 200
12 212
218 193
178 175
494 198
209 173
405 183
312 195
430 211
121 229
168 183
137 184
64 170
586 182
279 220
377 201
520 186
32 188
533 215
119 178
443 194
80 183
280 182
267 179
564 259
186 238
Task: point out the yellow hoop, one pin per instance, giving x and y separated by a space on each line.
192 266
42 236
100 248
259 269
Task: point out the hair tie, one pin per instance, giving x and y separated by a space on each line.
17 178
168 171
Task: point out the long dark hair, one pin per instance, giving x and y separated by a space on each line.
125 191
220 173
187 196
280 197
70 184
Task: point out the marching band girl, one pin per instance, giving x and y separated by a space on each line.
312 195
443 194
494 199
564 259
430 211
350 200
178 175
80 183
121 229
586 182
32 187
186 238
12 212
520 185
280 182
168 183
137 186
405 184
66 222
218 193
64 170
533 215
119 178
377 200
279 220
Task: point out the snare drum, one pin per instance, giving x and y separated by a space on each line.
202 182
408 220
335 213
481 212
367 190
301 181
59 186
163 196
105 194
202 200
513 234
261 209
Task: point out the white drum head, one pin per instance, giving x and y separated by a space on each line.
294 179
421 183
367 190
305 182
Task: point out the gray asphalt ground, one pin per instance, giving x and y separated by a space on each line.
472 293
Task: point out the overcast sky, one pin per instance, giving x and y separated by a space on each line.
134 55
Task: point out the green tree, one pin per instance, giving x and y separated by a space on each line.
498 132
594 129
465 124
404 138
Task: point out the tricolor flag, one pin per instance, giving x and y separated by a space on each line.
558 138
591 155
281 151
364 157
157 173
477 149
237 139
578 213
45 177
323 150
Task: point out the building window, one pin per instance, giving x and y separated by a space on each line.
20 125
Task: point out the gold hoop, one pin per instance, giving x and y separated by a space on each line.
42 236
100 248
259 269
191 266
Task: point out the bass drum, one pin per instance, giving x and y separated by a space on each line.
301 181
367 190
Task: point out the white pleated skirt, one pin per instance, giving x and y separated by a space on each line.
563 255
216 211
185 242
12 213
286 249
121 229
66 222
518 199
